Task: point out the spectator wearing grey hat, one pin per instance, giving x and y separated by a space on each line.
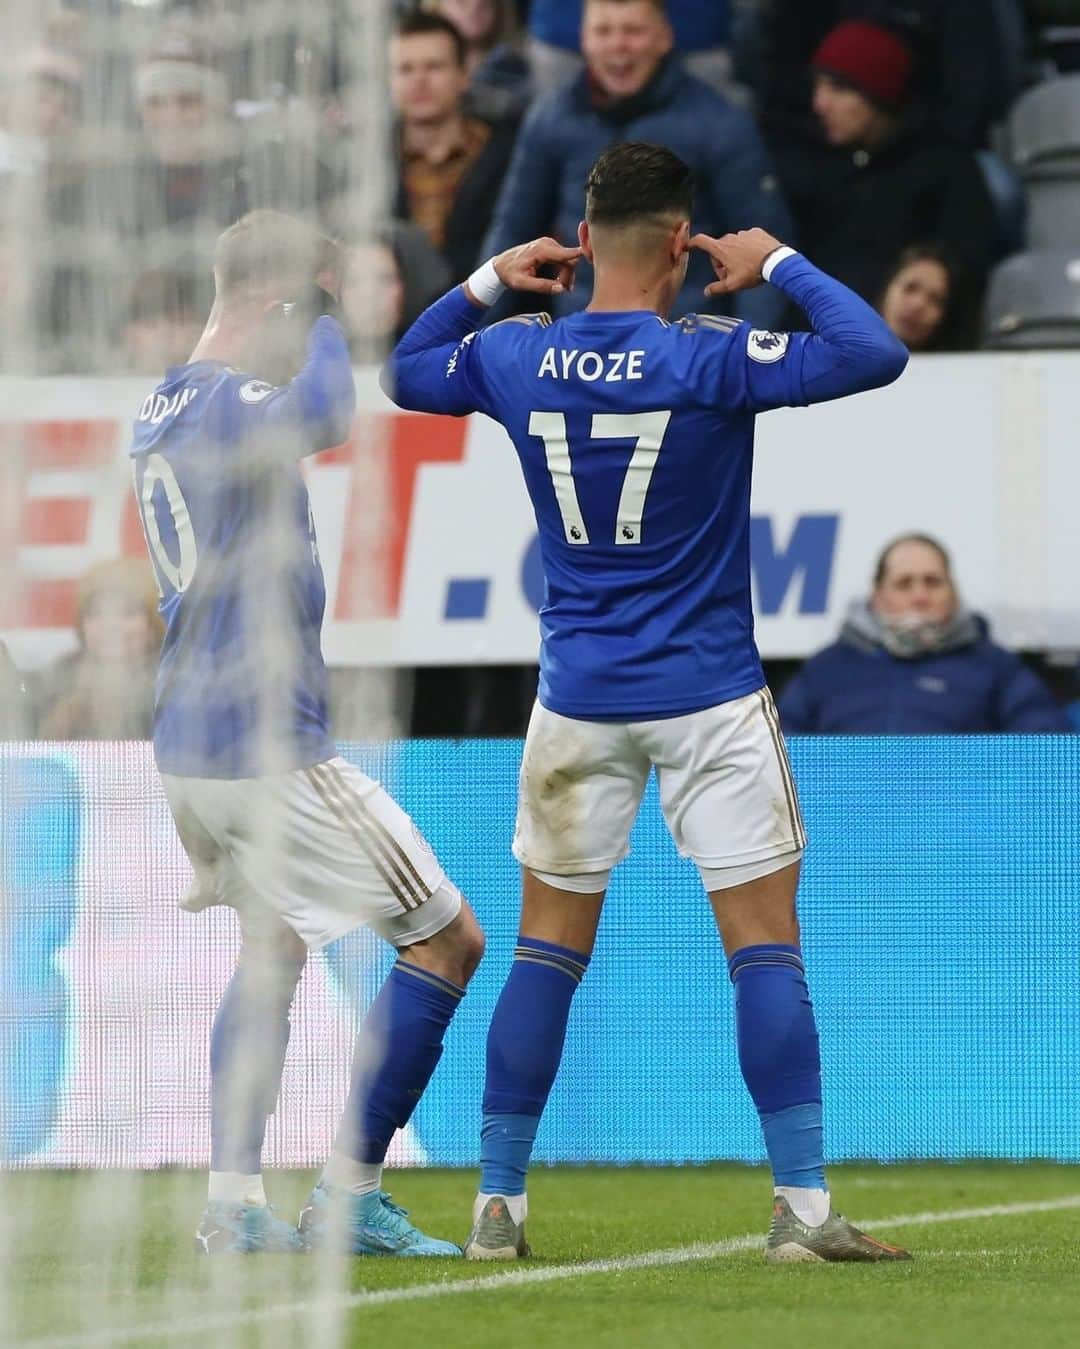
183 102
185 180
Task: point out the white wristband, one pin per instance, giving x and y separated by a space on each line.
484 284
775 258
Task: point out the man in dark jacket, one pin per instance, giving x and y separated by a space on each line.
450 163
913 661
876 184
635 89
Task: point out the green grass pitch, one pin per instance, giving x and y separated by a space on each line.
105 1259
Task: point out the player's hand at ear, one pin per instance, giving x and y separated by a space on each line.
519 268
737 259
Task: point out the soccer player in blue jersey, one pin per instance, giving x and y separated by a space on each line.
303 845
635 436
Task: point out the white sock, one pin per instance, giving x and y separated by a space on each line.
233 1187
811 1207
342 1172
517 1205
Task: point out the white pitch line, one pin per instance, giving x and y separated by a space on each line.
159 1331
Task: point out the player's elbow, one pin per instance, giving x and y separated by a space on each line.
337 428
387 382
888 359
393 384
339 413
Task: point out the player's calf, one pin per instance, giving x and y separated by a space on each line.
398 1047
524 1048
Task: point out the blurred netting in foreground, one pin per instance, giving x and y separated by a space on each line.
133 131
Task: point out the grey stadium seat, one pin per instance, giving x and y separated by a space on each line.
1053 213
1034 301
1044 130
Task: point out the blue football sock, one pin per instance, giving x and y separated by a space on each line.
397 1048
247 1053
778 1054
524 1047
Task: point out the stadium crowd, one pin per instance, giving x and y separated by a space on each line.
872 133
868 131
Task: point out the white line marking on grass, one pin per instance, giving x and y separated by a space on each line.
159 1331
984 1252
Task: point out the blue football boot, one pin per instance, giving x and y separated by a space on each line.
365 1224
245 1229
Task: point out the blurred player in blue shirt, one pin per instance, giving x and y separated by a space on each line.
303 845
635 437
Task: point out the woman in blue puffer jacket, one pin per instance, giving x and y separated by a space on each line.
912 660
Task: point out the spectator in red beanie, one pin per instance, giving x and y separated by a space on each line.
968 60
861 78
875 182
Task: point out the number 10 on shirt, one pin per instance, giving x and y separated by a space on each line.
645 429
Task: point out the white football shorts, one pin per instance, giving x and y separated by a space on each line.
325 849
725 788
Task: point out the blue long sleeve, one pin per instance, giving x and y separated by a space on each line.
429 369
319 402
851 348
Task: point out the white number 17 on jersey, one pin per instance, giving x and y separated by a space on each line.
645 429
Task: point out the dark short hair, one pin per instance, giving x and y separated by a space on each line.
633 180
422 21
930 542
266 246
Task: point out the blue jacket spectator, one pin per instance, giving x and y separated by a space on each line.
911 661
698 24
635 89
702 30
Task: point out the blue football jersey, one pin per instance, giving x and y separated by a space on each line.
636 440
241 687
